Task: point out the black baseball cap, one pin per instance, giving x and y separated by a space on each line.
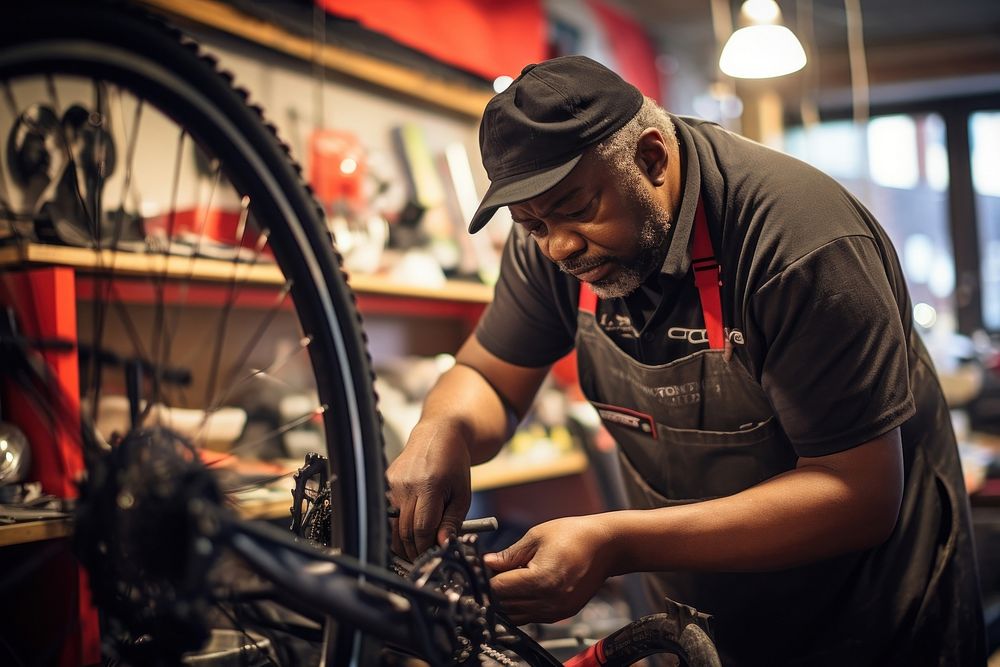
534 133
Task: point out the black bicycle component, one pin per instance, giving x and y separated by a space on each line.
455 570
29 150
143 529
312 501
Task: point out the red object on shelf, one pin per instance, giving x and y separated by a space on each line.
337 167
487 37
214 224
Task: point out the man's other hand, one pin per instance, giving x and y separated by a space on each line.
552 571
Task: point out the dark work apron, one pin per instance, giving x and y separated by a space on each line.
701 427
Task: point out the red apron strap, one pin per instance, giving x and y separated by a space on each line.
708 279
588 300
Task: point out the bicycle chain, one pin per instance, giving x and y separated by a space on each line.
496 655
319 528
455 569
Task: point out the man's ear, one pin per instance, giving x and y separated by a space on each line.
652 155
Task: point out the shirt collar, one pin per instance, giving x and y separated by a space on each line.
678 259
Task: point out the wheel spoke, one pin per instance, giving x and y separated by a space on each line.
226 307
249 445
232 382
101 282
239 626
131 142
159 348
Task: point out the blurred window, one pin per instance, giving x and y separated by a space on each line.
898 167
984 140
835 147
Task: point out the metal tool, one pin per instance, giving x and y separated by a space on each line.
482 525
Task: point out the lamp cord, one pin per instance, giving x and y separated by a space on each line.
808 108
859 65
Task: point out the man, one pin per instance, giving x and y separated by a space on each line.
742 326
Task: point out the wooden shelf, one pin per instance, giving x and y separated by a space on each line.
452 290
267 509
50 529
34 531
203 269
221 16
510 471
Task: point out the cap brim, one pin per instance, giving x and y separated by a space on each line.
518 188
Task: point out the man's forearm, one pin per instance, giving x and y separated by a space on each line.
463 400
807 514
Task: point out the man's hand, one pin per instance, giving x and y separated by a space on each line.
430 484
552 571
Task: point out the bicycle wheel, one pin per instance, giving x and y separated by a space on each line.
208 288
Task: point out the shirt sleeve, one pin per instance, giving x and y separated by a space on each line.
835 368
532 318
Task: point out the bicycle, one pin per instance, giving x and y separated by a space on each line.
92 91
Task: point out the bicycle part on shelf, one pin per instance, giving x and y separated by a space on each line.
73 216
29 150
64 219
91 145
15 453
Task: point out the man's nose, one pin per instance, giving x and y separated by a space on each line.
564 243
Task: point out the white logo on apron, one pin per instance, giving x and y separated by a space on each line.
679 394
700 336
693 336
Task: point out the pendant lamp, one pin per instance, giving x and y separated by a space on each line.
763 47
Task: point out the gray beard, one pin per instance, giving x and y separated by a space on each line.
656 224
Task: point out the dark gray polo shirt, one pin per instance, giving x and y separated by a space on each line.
813 298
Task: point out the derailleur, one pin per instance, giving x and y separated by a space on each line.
467 625
312 509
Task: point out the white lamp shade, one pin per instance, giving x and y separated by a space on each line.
761 52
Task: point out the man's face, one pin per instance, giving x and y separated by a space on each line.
600 224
